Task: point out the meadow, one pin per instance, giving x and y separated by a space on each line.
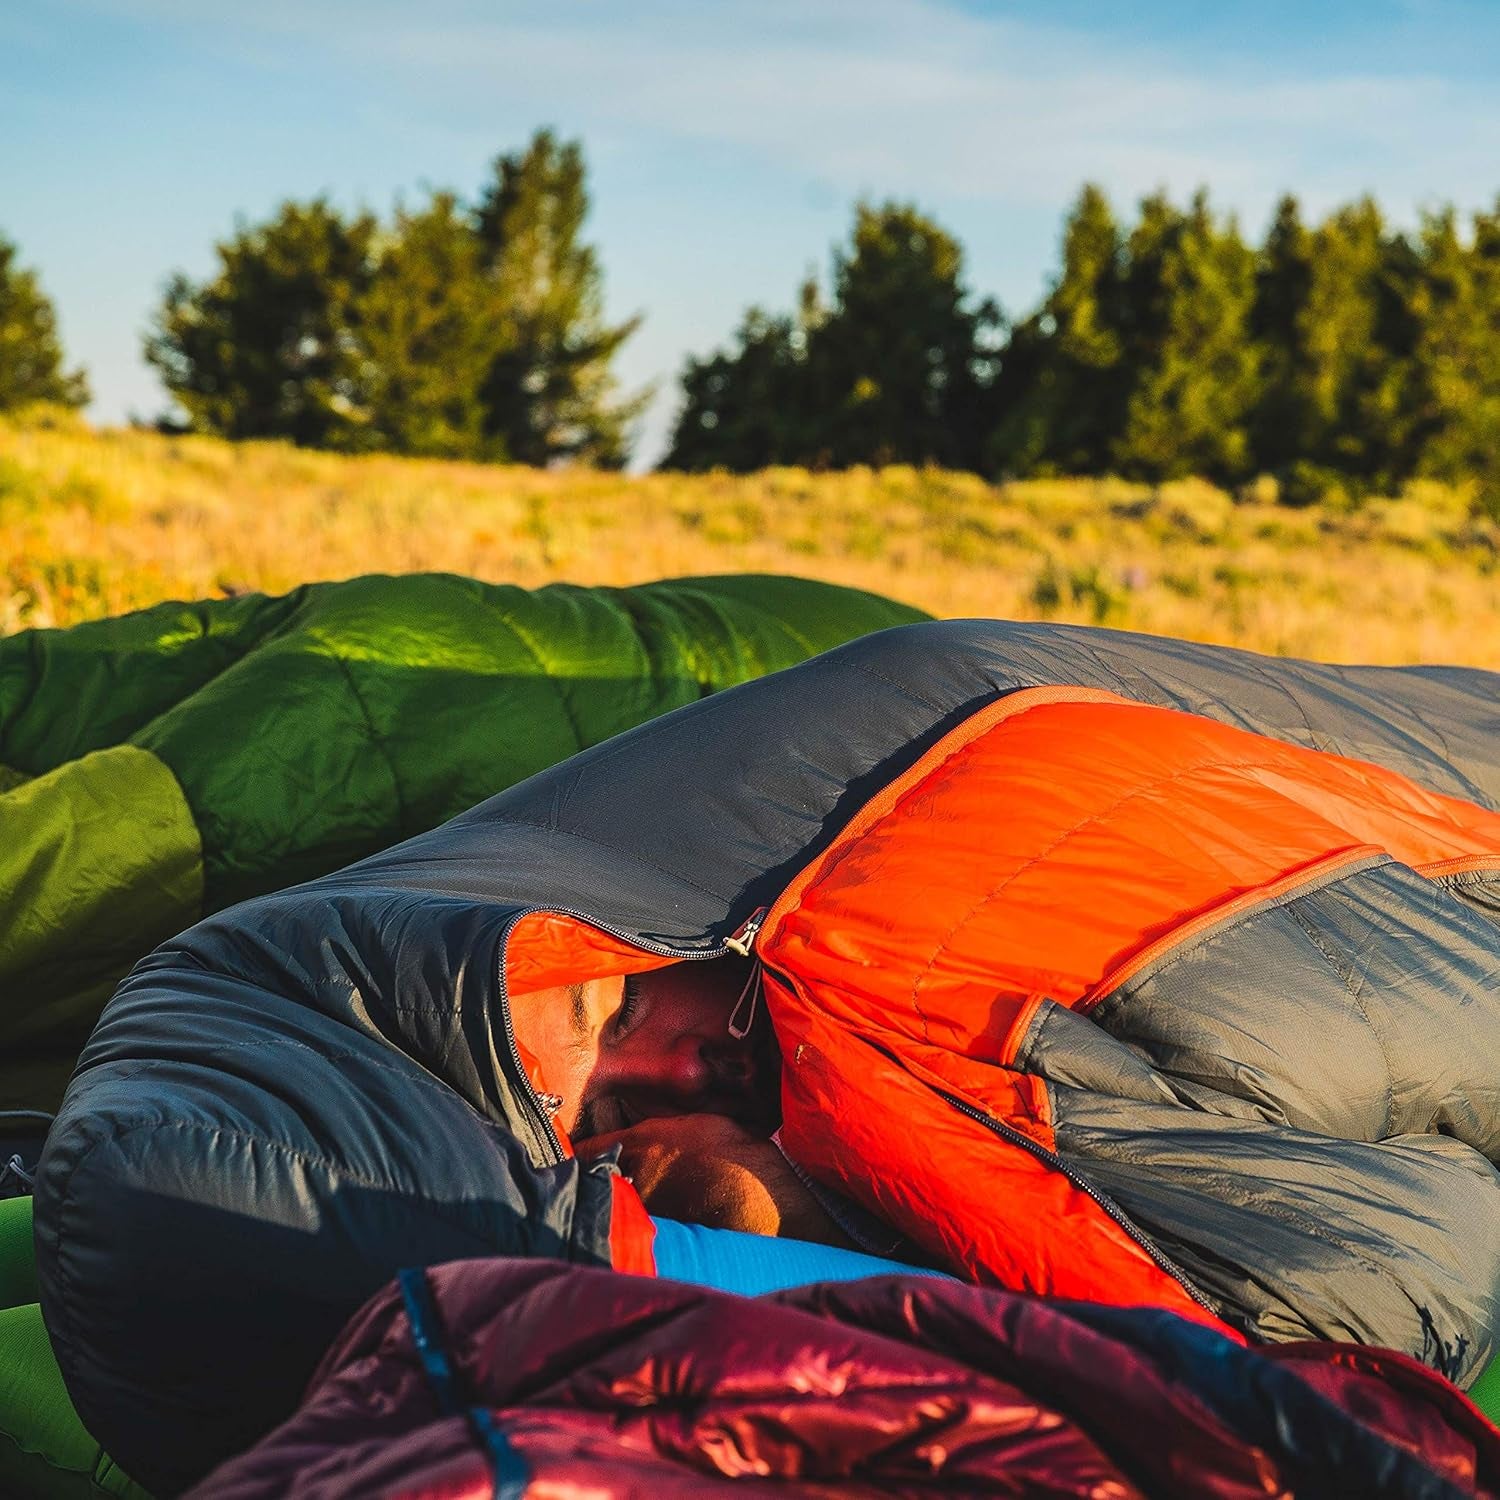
93 523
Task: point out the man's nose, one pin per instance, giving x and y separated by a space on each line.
684 1071
696 1070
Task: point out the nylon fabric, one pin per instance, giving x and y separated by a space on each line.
253 742
251 1124
17 1260
912 961
886 1385
104 846
45 1450
1485 1392
750 1265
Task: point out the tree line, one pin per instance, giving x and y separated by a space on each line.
1339 356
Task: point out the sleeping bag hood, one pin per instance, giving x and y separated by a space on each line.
1103 966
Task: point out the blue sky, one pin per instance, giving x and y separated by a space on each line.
727 139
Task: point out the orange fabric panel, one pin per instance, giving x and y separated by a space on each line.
631 1232
546 949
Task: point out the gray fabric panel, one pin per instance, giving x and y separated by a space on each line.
1364 1008
1297 1106
1480 890
1299 1236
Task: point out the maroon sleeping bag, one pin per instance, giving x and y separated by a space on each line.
534 1378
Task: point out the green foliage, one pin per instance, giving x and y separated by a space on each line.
1189 286
1337 361
1060 390
448 333
1456 384
900 364
549 393
266 348
424 340
897 370
748 407
31 355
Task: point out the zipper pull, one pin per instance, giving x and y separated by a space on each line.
743 940
742 1017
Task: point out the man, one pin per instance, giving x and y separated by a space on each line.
649 1064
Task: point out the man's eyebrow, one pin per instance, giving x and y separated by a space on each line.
580 1011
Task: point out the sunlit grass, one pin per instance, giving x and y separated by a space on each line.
94 523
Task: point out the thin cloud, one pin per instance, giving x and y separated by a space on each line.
912 97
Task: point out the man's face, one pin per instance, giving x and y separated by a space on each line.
624 1050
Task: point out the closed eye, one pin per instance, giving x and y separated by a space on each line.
630 1003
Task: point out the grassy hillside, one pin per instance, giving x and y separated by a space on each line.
93 523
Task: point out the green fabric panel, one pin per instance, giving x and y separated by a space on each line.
66 692
99 861
17 1259
1485 1392
45 1451
381 706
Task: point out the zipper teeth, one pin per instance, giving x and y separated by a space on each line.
1050 1158
539 1115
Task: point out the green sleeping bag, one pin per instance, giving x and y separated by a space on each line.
164 764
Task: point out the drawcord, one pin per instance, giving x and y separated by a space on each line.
748 1001
16 1168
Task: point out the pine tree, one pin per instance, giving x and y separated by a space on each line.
901 367
549 393
1058 394
1188 292
1330 380
31 356
1457 354
1282 421
749 406
266 347
897 370
425 339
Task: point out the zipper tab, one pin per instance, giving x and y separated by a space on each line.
743 940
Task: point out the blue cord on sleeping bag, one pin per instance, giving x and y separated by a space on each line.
751 1264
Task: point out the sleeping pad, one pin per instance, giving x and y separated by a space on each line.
1105 967
170 762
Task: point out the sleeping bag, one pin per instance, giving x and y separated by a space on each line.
1103 966
514 1378
170 762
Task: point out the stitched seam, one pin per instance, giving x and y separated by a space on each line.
631 856
376 740
548 676
1319 880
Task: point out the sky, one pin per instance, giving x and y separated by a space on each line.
727 140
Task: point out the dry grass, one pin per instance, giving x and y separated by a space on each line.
94 523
